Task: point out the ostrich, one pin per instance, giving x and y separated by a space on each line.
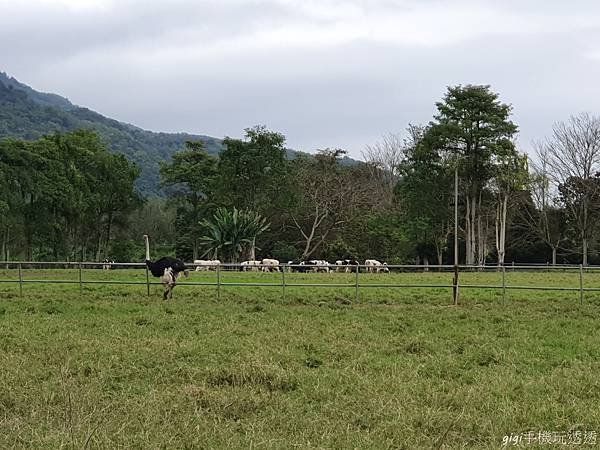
169 280
167 268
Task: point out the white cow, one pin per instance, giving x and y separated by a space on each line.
250 265
319 265
201 264
323 265
377 266
349 265
313 264
270 265
206 264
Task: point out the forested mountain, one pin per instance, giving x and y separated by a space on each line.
28 114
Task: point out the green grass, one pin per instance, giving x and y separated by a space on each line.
114 368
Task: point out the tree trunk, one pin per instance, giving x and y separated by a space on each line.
501 229
4 243
196 217
194 249
553 256
497 233
253 249
479 242
468 226
317 245
309 238
28 247
503 234
474 229
584 235
439 252
316 222
99 247
481 236
108 231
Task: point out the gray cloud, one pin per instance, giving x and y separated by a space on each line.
327 73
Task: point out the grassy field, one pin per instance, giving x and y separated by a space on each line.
114 368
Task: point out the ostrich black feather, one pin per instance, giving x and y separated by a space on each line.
157 268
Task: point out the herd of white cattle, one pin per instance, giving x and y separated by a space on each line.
314 265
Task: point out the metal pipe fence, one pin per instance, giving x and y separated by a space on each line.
285 283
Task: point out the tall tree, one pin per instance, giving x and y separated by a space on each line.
474 127
424 193
191 177
573 160
509 180
540 215
327 196
383 161
21 175
100 188
65 191
252 172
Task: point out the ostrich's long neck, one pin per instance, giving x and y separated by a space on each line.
147 248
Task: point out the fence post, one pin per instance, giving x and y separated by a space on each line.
581 284
218 282
357 272
147 282
20 281
455 287
503 284
283 281
80 279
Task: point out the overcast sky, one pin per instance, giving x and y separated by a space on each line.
325 73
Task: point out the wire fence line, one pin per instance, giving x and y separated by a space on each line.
285 283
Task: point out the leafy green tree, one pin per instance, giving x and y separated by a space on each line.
100 188
425 197
253 172
66 191
510 179
21 174
154 217
191 178
473 127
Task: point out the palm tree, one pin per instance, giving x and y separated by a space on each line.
231 233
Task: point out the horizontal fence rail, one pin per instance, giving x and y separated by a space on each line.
21 266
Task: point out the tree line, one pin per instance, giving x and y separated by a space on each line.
65 196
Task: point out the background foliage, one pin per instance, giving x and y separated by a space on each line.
91 193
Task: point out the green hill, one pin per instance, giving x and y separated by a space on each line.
28 114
